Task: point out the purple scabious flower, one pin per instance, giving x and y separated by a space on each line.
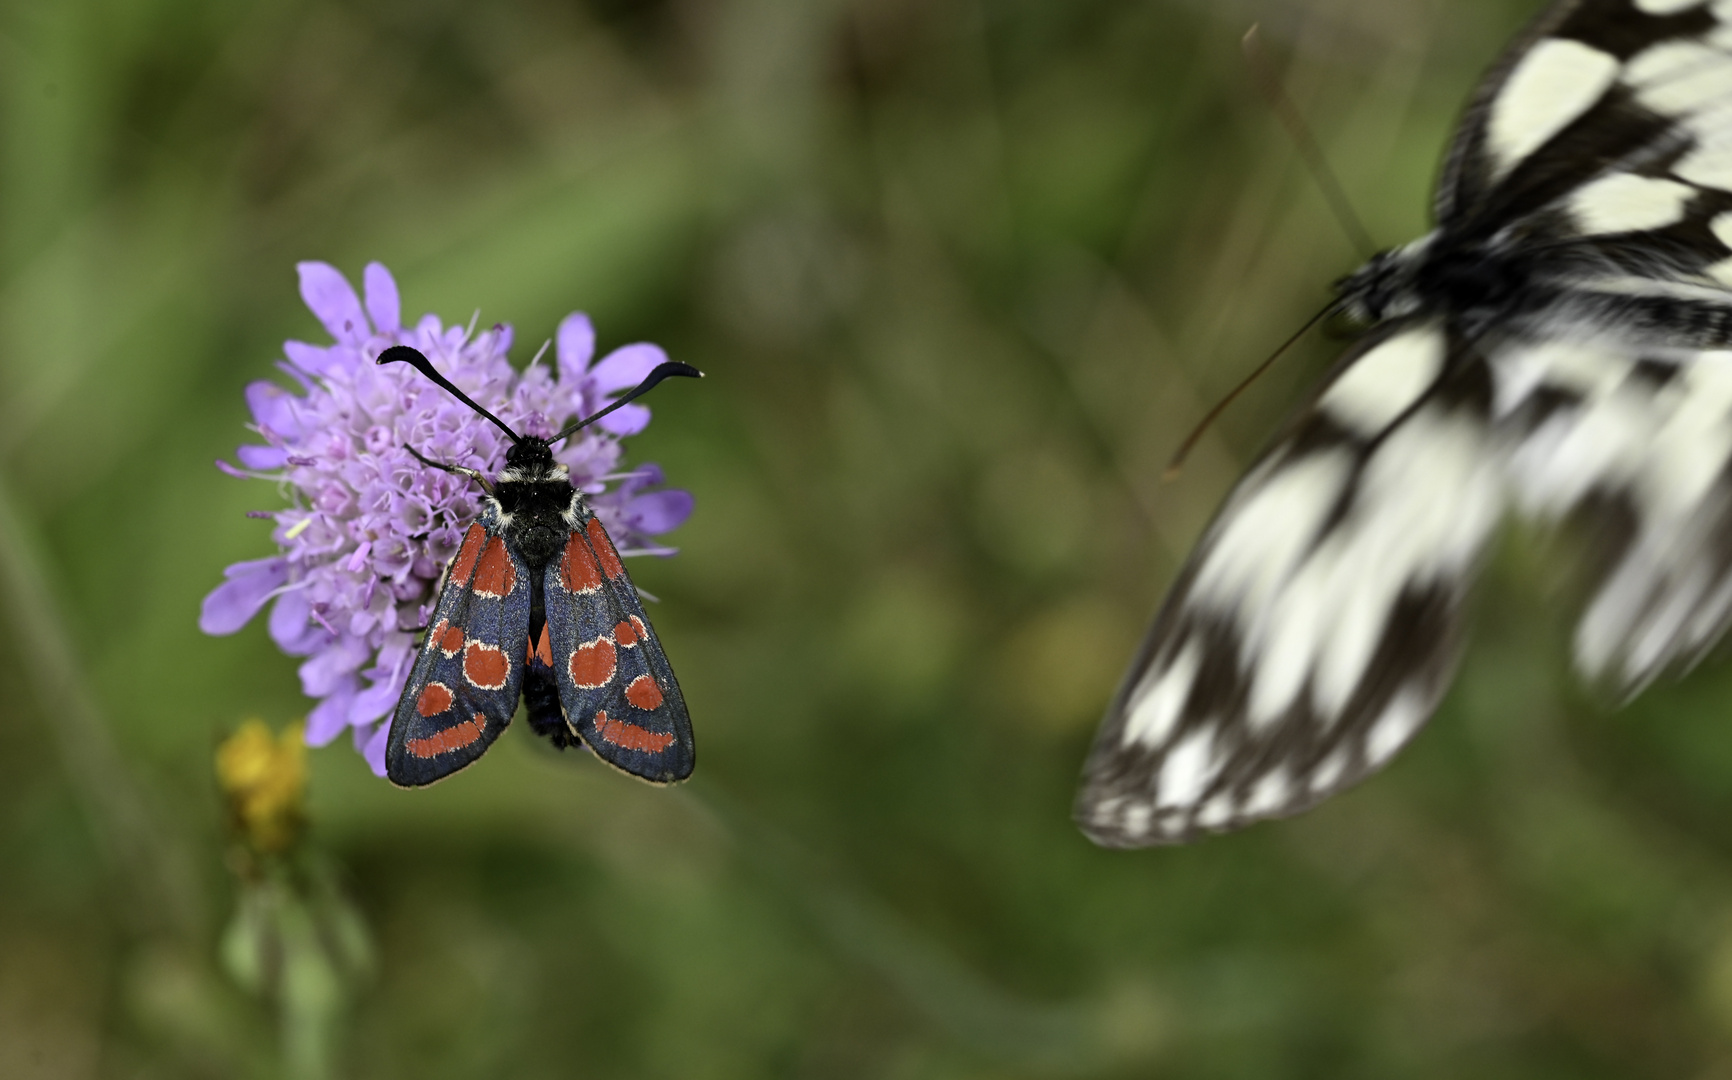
368 528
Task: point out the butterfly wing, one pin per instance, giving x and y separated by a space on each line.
1639 450
1602 141
1314 627
1604 135
465 683
616 688
1584 310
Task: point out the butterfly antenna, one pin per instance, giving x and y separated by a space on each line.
1269 83
656 375
414 357
1178 463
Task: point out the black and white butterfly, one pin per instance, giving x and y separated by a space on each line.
1561 344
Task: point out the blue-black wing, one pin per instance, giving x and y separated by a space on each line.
465 683
616 689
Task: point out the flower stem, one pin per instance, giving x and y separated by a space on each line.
154 864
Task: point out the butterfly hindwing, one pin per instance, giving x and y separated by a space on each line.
615 686
466 680
1314 627
1638 450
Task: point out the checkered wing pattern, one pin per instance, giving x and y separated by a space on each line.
1561 342
1314 627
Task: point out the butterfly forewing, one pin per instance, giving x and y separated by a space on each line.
1604 141
465 683
615 686
1314 627
1608 123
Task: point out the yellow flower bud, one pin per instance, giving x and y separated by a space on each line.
264 777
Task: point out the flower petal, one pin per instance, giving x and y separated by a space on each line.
647 475
274 408
333 666
374 751
292 626
311 358
659 511
574 346
391 672
232 604
330 296
377 701
626 366
330 716
625 420
382 304
261 457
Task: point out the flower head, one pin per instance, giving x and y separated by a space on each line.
369 528
265 779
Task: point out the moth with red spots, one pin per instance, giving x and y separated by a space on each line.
536 604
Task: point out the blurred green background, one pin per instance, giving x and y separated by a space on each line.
962 272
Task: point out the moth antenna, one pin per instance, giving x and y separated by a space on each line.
660 372
1269 84
414 357
1178 463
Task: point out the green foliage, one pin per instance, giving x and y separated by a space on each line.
962 274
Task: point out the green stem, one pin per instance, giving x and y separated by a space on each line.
154 865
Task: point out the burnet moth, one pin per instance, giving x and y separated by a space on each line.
537 603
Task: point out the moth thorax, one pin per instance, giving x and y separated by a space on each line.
1473 280
538 512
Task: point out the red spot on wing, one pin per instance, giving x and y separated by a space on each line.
435 698
625 634
637 624
495 576
485 666
455 737
604 552
592 665
577 570
644 693
544 649
630 736
464 563
450 638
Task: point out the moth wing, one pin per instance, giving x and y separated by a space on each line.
1315 626
466 680
1607 125
616 688
1639 451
